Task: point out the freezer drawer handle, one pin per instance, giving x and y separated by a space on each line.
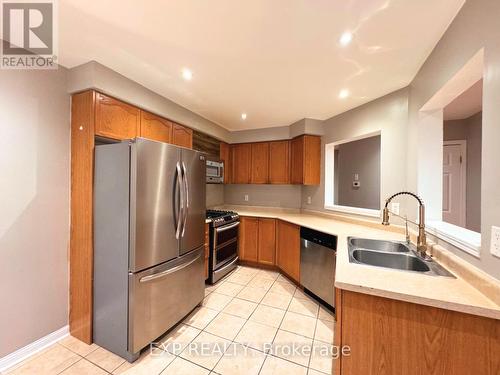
159 275
181 209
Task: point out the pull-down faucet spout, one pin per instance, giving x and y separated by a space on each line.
421 239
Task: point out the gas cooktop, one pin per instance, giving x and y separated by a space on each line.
220 217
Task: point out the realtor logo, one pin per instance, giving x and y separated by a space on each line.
28 34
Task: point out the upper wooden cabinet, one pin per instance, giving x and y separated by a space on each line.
225 156
288 248
305 160
182 136
279 162
241 155
260 163
267 241
116 119
155 127
248 239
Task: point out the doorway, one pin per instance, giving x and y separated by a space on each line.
455 182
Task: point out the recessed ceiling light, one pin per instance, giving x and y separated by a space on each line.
344 93
187 74
345 38
243 116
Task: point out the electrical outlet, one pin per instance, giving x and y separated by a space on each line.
495 241
309 201
246 197
395 207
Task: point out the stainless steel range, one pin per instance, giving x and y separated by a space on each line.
223 243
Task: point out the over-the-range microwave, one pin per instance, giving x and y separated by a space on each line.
215 171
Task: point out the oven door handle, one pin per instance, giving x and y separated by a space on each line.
224 228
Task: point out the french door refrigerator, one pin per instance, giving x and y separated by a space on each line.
149 217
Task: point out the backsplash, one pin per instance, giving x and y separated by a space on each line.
215 195
288 196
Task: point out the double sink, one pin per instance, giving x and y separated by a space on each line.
392 254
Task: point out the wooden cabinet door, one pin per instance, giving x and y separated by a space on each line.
116 119
225 156
297 160
155 127
288 249
241 155
279 162
182 136
260 163
267 241
312 160
248 239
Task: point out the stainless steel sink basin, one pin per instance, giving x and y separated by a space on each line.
392 254
390 260
389 246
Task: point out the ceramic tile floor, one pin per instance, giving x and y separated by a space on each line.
252 322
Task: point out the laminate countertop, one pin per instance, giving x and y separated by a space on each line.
469 292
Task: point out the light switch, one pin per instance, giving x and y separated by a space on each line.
495 241
309 200
395 207
246 197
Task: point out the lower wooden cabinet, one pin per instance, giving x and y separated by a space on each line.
267 242
388 337
288 248
248 241
257 240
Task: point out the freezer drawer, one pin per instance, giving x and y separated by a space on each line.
160 297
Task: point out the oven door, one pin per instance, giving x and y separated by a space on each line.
224 254
225 244
225 234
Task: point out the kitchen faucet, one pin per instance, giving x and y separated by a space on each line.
421 239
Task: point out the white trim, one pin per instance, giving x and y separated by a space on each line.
354 210
463 181
465 239
329 192
20 355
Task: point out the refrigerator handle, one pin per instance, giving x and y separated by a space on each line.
186 206
181 209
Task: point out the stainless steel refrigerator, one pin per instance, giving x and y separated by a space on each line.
149 217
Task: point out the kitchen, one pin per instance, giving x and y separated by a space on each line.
150 210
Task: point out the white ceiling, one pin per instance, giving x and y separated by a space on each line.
467 104
278 61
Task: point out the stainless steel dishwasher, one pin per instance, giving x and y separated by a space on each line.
318 253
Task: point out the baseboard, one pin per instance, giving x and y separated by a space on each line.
19 355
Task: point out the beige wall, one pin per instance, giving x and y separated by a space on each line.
469 129
215 195
387 115
263 195
34 220
457 46
93 75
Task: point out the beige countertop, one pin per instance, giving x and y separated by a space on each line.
457 294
